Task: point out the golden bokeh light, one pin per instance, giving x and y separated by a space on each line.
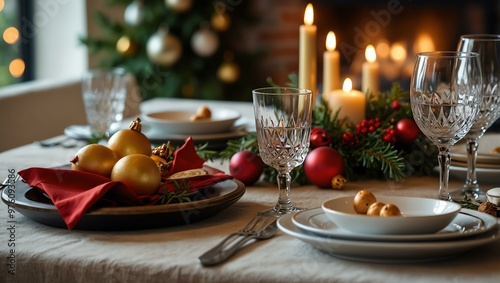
2 4
11 35
16 68
383 49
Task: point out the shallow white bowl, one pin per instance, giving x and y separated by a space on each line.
419 216
493 196
178 121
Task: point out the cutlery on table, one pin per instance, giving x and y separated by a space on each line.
259 228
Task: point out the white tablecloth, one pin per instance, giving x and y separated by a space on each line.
170 254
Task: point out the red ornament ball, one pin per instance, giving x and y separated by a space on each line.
246 166
320 137
322 164
407 131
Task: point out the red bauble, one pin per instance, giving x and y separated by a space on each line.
246 166
322 164
407 131
320 137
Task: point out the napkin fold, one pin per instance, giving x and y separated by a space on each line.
74 192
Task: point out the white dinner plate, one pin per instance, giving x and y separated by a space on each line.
478 165
395 252
485 153
178 121
217 140
464 225
484 175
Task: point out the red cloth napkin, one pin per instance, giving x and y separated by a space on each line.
74 192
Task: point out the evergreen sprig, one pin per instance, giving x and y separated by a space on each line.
179 194
371 157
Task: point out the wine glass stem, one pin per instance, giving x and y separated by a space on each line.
444 173
284 185
471 181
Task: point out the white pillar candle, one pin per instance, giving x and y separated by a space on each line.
349 102
307 51
370 73
331 65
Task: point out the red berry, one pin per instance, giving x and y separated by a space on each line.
395 105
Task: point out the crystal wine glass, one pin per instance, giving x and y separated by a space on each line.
283 121
445 95
488 47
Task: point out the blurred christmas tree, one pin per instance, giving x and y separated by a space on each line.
180 48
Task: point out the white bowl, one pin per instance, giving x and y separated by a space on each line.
493 196
179 121
419 216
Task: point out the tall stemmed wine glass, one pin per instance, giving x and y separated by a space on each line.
445 95
488 47
283 121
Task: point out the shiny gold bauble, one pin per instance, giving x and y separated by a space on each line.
95 158
126 46
228 72
179 6
130 141
164 48
139 173
220 21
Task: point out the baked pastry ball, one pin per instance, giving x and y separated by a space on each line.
390 210
362 201
374 209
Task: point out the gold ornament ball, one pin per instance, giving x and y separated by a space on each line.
179 6
164 48
228 72
220 21
126 46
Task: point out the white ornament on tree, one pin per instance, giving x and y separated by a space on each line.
164 48
133 13
179 6
205 41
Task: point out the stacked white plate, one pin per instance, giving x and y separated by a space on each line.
176 126
487 162
468 230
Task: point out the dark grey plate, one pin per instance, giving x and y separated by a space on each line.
33 204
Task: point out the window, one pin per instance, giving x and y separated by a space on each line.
15 63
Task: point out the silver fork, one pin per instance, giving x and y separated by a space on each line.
260 227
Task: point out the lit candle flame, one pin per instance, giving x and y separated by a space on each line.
331 41
370 54
309 15
347 87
